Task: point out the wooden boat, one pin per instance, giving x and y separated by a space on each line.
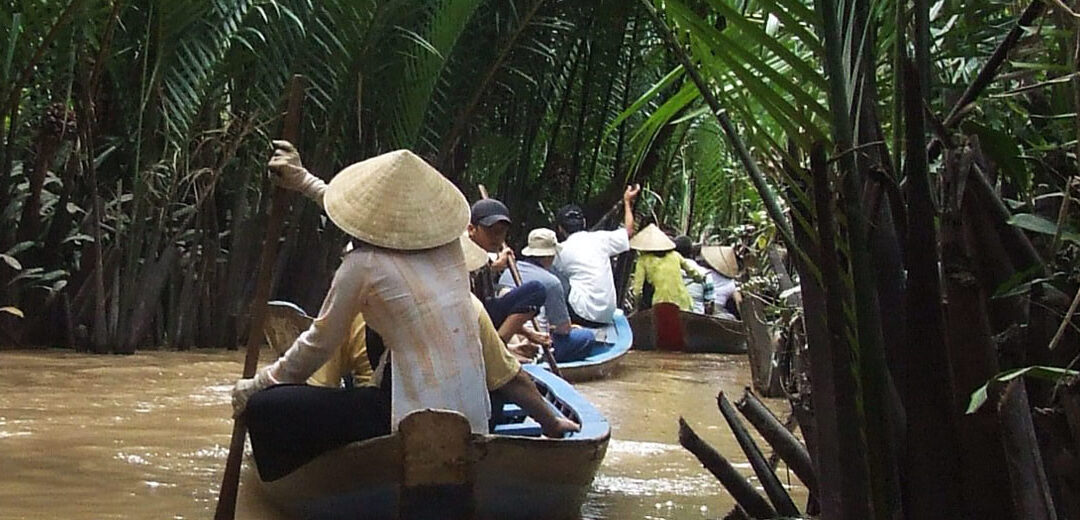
284 322
613 342
665 327
433 467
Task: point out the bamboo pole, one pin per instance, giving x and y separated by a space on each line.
230 482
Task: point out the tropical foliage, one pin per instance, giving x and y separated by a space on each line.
916 160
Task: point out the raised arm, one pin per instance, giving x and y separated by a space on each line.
290 174
628 207
637 280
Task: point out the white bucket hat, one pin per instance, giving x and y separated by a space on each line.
542 242
397 201
651 239
721 258
475 256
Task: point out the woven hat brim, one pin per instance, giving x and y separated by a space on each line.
397 201
475 256
651 239
722 259
539 251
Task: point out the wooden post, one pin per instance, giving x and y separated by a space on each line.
773 488
436 481
741 490
230 481
787 446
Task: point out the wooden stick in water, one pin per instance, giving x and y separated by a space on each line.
230 481
548 355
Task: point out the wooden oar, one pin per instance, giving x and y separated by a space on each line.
230 481
548 356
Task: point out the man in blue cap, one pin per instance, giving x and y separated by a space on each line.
488 225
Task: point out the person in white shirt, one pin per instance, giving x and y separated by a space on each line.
407 275
724 269
585 262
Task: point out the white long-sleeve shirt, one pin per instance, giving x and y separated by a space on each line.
419 302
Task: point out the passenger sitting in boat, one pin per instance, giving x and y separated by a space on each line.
701 293
407 276
663 267
585 261
568 343
724 270
309 420
488 224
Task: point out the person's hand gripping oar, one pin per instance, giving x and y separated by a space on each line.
230 481
512 264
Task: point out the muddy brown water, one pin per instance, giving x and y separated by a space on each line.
145 436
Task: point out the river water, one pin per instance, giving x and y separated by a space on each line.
145 436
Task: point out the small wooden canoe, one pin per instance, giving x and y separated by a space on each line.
614 341
433 467
665 327
285 321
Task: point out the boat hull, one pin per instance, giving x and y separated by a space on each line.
432 467
700 333
606 356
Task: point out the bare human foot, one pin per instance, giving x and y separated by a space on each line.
560 427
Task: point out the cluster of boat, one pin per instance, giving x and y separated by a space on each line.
434 467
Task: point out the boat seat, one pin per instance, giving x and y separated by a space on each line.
511 411
526 428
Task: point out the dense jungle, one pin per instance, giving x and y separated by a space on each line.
900 177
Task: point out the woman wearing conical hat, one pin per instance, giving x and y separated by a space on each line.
659 264
723 270
407 275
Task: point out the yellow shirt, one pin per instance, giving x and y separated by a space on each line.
500 366
664 272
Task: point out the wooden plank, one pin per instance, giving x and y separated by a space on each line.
436 480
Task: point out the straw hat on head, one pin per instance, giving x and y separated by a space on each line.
542 242
651 239
397 201
475 256
721 258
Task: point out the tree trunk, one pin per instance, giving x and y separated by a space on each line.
972 353
1030 489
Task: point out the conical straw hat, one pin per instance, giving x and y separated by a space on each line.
396 201
721 258
651 239
475 256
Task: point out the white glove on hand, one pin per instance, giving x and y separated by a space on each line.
288 171
245 388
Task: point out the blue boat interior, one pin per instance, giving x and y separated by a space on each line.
564 399
618 339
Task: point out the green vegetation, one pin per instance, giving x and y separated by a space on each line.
916 160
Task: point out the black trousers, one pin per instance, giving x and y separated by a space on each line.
291 424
